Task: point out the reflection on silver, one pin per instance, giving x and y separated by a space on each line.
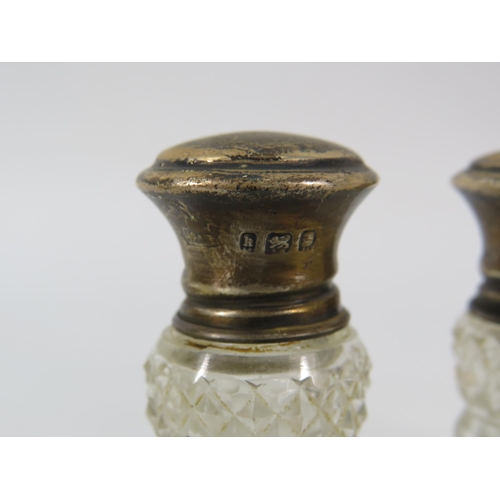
477 348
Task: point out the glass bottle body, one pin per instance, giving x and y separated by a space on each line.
312 387
477 348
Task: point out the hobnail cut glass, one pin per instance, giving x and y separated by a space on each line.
477 348
304 388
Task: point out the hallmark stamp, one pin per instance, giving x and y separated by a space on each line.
248 242
307 240
278 242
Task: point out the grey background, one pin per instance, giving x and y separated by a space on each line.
90 271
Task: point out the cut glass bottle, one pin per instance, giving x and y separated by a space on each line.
261 346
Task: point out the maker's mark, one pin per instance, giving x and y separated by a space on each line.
248 242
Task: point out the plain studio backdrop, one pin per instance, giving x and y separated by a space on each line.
90 270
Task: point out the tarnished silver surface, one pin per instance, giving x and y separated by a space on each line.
258 216
480 184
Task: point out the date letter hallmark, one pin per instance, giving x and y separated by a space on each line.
307 240
278 242
248 242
